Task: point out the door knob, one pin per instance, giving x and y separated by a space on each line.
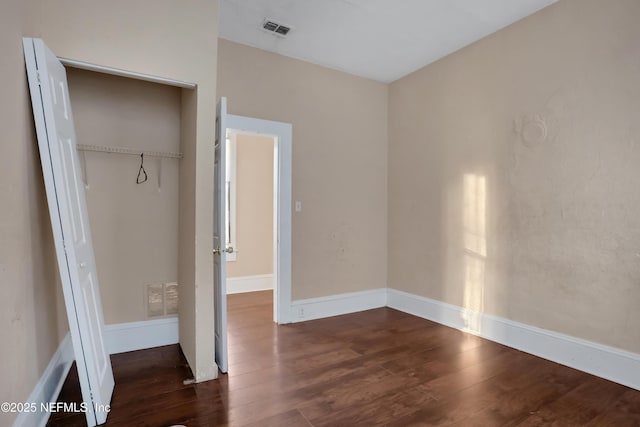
218 251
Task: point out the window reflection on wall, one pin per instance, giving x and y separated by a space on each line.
475 250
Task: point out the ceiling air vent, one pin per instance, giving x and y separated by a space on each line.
271 26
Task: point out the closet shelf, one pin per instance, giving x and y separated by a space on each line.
131 151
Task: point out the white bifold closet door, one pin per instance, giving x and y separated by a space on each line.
70 224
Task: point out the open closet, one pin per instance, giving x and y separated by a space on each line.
129 134
138 233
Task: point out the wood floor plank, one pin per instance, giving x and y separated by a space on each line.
350 390
291 418
523 392
579 407
386 409
625 412
374 368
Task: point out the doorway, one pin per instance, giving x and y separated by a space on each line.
250 197
228 125
280 136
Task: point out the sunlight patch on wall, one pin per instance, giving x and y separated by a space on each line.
475 250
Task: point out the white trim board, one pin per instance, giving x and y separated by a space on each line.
259 282
122 337
335 305
603 361
124 73
48 387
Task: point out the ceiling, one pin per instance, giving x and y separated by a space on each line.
382 40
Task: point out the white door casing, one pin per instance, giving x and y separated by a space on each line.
219 238
70 224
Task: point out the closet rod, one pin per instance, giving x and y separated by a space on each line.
122 150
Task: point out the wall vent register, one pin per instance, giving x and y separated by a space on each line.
162 299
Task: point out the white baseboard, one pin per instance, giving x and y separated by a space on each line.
48 387
613 364
238 285
607 362
335 305
119 338
122 337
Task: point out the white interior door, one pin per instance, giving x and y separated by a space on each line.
70 224
219 237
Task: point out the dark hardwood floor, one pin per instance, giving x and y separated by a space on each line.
378 367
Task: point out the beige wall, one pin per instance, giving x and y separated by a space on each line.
511 183
339 163
178 42
513 174
134 227
254 204
28 273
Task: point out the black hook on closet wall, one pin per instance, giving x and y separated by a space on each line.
140 179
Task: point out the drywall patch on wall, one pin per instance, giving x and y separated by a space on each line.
534 129
340 243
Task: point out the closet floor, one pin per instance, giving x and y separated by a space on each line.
378 367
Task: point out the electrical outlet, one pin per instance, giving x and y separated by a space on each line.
301 313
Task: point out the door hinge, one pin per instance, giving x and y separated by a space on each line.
38 76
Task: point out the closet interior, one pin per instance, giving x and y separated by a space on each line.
129 134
